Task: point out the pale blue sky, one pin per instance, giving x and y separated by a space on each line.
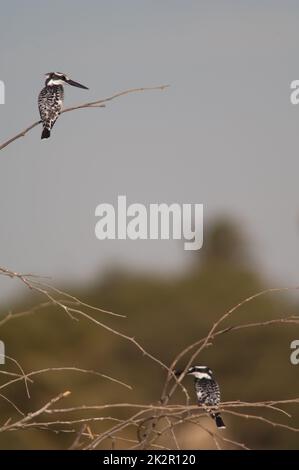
224 134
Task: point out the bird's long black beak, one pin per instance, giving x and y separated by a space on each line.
78 85
177 373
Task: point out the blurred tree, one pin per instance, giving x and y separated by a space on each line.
224 243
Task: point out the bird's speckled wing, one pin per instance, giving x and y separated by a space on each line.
207 391
50 101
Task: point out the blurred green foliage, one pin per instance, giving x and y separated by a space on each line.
164 315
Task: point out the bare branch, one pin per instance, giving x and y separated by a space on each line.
92 104
150 422
33 415
63 369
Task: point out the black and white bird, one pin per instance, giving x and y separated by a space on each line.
207 391
50 99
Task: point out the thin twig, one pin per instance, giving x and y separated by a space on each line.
92 104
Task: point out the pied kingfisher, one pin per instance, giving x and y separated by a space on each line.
207 390
50 99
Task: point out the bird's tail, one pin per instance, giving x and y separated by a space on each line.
218 420
46 133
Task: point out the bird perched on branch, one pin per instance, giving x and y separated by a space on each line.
50 99
207 391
